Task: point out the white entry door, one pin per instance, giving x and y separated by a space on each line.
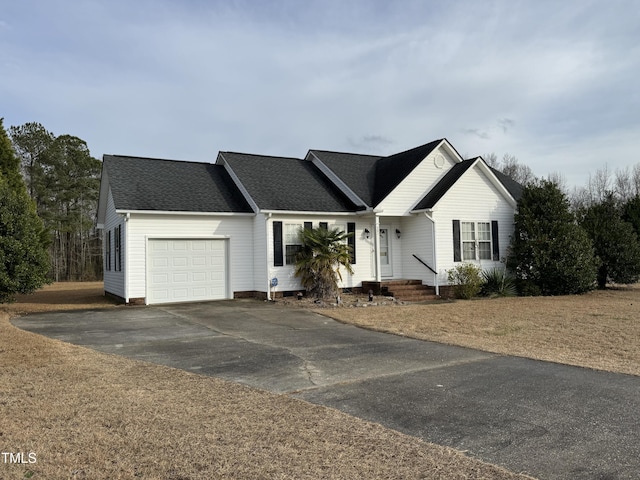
386 269
186 270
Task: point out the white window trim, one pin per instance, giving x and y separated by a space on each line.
286 237
476 241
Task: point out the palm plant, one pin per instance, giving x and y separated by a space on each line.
318 262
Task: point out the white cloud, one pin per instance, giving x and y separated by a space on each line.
540 80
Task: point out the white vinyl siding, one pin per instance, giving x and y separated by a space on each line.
237 230
472 199
416 185
114 280
363 270
260 268
417 239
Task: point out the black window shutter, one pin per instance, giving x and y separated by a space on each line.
457 251
495 241
308 225
324 225
351 241
108 251
119 248
278 257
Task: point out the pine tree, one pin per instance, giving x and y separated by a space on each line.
24 262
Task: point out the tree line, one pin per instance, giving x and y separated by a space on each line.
571 242
24 261
62 179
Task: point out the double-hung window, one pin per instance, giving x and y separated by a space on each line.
476 241
292 242
468 241
484 240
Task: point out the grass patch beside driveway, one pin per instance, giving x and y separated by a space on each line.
599 330
91 415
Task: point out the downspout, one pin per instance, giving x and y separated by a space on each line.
126 258
435 259
376 247
266 243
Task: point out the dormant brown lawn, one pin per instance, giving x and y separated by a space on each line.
88 415
599 330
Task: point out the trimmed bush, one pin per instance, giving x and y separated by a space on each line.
466 280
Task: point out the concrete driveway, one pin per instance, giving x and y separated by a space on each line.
550 421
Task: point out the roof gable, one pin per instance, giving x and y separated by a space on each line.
168 185
443 186
513 187
372 178
391 170
358 172
286 184
457 171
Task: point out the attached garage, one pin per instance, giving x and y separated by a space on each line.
186 270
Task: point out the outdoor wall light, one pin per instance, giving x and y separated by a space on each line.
398 233
367 233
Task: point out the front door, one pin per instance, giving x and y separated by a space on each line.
386 269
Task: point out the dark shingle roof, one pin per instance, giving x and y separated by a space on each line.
168 185
443 186
452 176
390 171
280 183
371 177
513 187
358 172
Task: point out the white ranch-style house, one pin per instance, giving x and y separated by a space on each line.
177 231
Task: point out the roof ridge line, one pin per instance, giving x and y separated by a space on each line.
259 155
155 159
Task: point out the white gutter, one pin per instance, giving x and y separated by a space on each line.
435 258
170 212
126 258
303 213
266 243
376 247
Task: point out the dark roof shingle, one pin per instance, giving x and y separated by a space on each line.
169 185
513 187
371 177
358 172
391 170
282 183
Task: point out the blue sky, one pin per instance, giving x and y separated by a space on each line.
555 83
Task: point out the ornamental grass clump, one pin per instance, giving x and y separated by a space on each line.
498 282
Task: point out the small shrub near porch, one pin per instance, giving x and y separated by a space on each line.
466 280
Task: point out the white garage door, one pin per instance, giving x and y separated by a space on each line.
186 270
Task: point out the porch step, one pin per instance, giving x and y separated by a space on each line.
403 290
